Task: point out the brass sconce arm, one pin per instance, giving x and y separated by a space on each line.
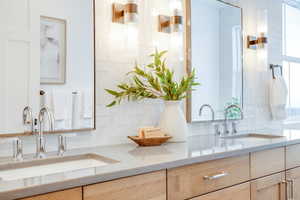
254 42
119 11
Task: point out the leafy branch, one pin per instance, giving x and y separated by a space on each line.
155 81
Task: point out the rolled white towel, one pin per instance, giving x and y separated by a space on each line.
76 110
87 105
62 107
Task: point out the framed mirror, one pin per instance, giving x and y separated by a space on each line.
47 59
214 48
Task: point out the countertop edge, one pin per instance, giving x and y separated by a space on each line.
89 180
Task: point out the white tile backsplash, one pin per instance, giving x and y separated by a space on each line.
115 57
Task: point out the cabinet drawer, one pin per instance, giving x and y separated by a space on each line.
292 156
74 194
239 192
195 180
267 162
150 186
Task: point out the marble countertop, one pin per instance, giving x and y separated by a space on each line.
135 160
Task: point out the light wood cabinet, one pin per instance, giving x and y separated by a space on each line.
264 163
266 175
195 180
292 156
269 188
150 186
72 194
293 183
239 192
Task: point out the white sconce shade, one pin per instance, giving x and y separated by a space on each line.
170 24
131 12
259 41
176 22
262 22
176 5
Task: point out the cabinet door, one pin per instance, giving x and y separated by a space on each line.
142 187
275 159
72 194
239 192
269 188
19 61
293 183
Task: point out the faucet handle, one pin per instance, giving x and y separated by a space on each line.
40 147
18 149
217 129
226 129
62 145
28 118
234 127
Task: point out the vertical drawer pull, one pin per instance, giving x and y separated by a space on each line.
290 184
217 176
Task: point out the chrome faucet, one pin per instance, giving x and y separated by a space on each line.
40 143
226 131
211 110
28 117
217 131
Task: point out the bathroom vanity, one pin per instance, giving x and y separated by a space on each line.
252 166
206 168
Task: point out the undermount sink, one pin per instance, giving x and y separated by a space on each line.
35 168
252 135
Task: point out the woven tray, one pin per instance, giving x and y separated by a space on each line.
149 141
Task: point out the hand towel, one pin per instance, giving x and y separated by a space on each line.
76 110
62 106
278 93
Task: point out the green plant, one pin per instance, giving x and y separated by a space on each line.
155 81
233 113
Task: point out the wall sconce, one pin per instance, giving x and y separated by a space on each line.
254 42
169 24
125 13
164 24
